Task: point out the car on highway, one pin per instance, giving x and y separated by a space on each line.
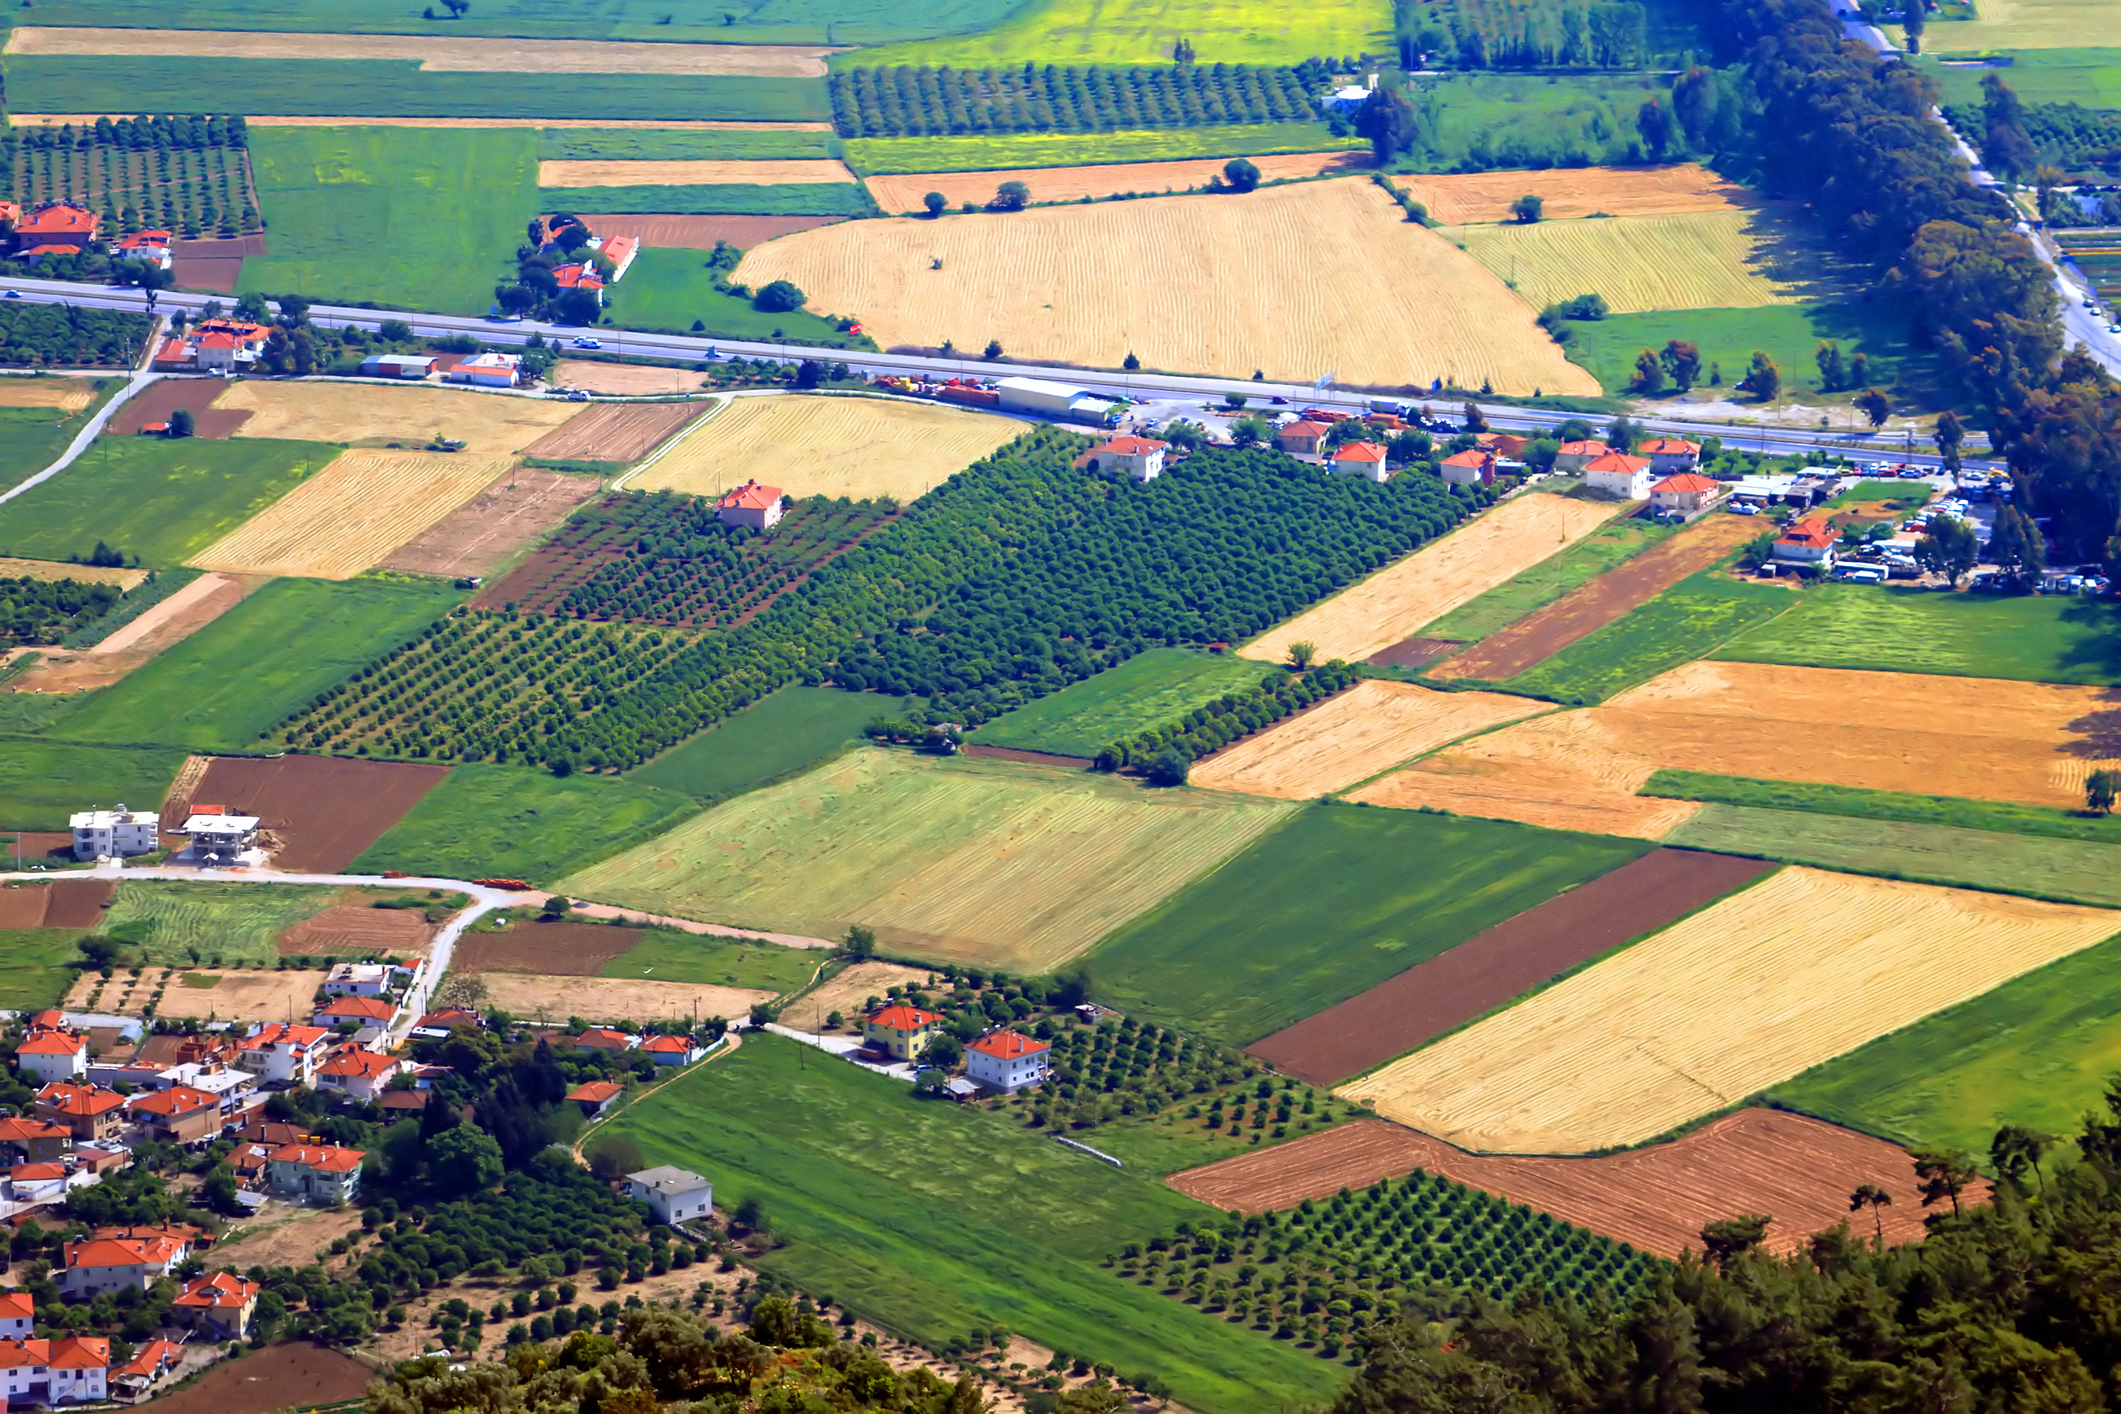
14 294
585 342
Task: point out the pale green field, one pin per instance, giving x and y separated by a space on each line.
1144 31
2022 24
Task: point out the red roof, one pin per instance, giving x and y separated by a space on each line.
21 1131
357 1008
578 277
83 1101
220 341
17 1353
153 1358
450 1016
1305 429
17 1306
1686 481
58 219
80 1352
1672 447
1132 446
175 1102
664 1045
123 1252
36 1173
1360 452
1617 461
50 1018
1812 534
281 1033
903 1018
325 1158
1584 449
1470 458
595 1092
366 1064
749 497
604 1039
222 1290
1008 1045
52 1043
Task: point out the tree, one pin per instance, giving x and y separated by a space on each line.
1649 375
936 203
613 1156
1388 123
1731 1238
780 297
1950 434
1682 361
809 373
1528 208
1833 374
1694 104
1870 1195
1010 196
1302 655
1169 769
2017 1148
1763 379
2016 545
464 1160
1942 1173
1657 126
993 349
1913 19
860 941
1240 175
1874 405
1948 547
182 423
2100 788
1250 430
1622 434
2006 149
1131 363
1475 423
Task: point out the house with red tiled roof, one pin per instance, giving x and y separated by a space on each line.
1364 459
52 1054
36 1183
1671 454
151 246
150 1363
437 1025
284 1052
1007 1061
671 1050
1808 542
595 1096
359 1074
1685 493
1139 457
55 228
102 1263
487 370
18 1314
1302 438
86 1111
1471 467
379 1012
603 1038
214 346
751 506
582 275
72 1370
317 1173
221 1304
899 1031
178 1115
1506 445
1574 456
1618 474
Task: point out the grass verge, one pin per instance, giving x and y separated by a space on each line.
671 289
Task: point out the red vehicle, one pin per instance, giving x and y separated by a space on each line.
503 883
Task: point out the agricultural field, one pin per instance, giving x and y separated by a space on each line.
59 571
834 197
514 823
662 231
880 447
1405 598
158 401
1571 192
1788 333
1693 260
489 424
36 966
693 172
964 1219
1722 1005
2021 24
992 863
239 996
214 924
551 1000
487 531
41 391
1372 727
189 189
1656 1198
352 513
1532 589
617 432
434 53
1057 184
237 677
1142 32
1690 620
682 144
1327 907
170 610
160 499
31 438
44 782
669 288
790 731
2003 817
1495 967
322 810
1339 280
667 955
2045 638
62 903
360 929
999 151
1148 690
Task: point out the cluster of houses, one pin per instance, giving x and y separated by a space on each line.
584 274
65 228
1001 1061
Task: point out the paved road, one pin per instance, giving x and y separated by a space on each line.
138 379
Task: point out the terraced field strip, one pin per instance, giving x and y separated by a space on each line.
1464 199
1489 969
1691 260
1799 1170
792 171
434 53
1371 727
1400 599
1721 1005
1047 184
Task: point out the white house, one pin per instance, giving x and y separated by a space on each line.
318 1173
361 1011
1618 474
1364 459
1007 1061
1808 542
358 979
52 1055
72 1370
1685 493
1139 457
674 1195
95 1265
220 835
151 246
1469 468
397 365
285 1053
18 1314
487 370
1575 456
1671 455
358 1074
752 506
671 1050
36 1183
109 834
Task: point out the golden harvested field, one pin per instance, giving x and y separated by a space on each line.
489 424
778 172
1398 600
1574 191
623 379
1721 1005
241 996
542 998
1693 260
439 53
1369 728
1977 737
57 570
843 446
1298 280
55 120
347 517
904 192
66 394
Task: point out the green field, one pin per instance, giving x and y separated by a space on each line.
1147 691
1479 121
385 88
1690 620
879 156
1334 902
929 1219
1169 1143
1909 494
510 822
36 966
159 499
667 955
1144 31
2088 76
1790 334
790 731
233 680
793 199
44 782
1611 544
211 924
679 144
2073 871
414 218
31 439
2006 817
2050 638
2039 1051
668 289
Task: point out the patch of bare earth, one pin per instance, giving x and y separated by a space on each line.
479 536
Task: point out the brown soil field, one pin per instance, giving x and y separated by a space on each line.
187 603
324 810
1802 967
1976 737
846 991
1488 550
1799 1170
618 432
23 905
165 625
904 192
1035 758
879 446
35 844
65 394
243 996
1574 191
289 120
1415 652
1352 736
1540 635
295 1375
478 537
285 1237
1507 960
702 232
489 424
1334 278
555 998
437 54
54 570
786 171
619 380
350 515
359 930
557 949
166 395
78 903
206 272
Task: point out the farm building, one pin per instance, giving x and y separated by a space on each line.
215 834
113 834
1469 468
487 370
1139 457
673 1194
1685 494
151 246
1808 542
582 275
397 366
1671 454
1575 456
1301 439
595 1096
1054 400
901 1032
320 1173
1007 1061
1618 474
751 506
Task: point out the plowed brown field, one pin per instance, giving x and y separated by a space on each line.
324 810
1800 1171
556 949
1371 727
904 193
617 432
358 930
435 53
1792 972
1516 955
790 171
158 400
478 537
1574 191
63 903
1399 599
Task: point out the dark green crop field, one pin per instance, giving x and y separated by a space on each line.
516 823
1692 619
788 732
2048 638
1147 691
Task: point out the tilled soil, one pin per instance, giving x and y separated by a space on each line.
478 536
550 949
324 810
167 395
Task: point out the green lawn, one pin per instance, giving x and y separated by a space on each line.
1911 496
1169 1143
793 199
1788 333
680 144
667 955
2088 76
43 782
790 731
1611 544
35 968
1690 620
1143 32
1148 690
930 1219
2051 638
179 923
670 289
514 823
2039 1051
1332 903
235 679
877 156
2005 817
1478 121
161 500
31 439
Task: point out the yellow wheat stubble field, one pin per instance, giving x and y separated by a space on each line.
1792 972
54 571
63 394
1397 601
905 192
828 446
436 53
347 517
1689 260
489 424
1299 281
1461 199
1369 728
791 171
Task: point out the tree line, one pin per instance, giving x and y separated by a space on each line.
41 611
905 101
189 130
1163 753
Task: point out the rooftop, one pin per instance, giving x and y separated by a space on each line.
1008 1045
903 1018
668 1179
